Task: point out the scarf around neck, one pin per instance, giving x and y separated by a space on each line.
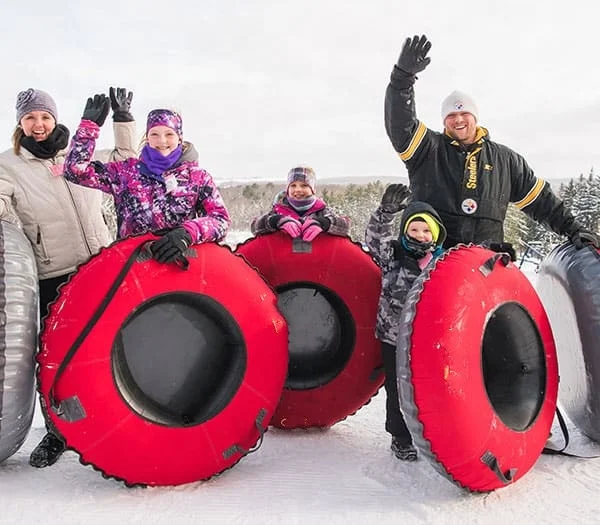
302 205
158 163
47 149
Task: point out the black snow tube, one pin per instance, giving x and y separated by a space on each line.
568 283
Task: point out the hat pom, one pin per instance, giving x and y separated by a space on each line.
24 97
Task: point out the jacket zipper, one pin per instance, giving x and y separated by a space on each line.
78 217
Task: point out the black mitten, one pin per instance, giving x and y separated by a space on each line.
96 109
171 245
324 222
503 247
120 102
583 237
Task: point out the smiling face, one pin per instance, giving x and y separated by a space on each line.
162 139
461 126
419 231
37 124
299 190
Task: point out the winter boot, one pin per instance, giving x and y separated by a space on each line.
47 452
405 452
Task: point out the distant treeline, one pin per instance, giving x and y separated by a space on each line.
357 201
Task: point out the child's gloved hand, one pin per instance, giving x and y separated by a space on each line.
290 226
96 109
395 198
171 245
310 229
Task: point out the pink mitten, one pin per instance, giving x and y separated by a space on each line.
290 226
310 229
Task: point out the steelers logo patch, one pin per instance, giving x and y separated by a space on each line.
469 206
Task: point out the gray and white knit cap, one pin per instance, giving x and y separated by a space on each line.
457 102
35 100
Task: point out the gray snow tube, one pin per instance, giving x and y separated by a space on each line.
18 337
568 284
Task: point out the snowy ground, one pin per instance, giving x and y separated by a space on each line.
344 475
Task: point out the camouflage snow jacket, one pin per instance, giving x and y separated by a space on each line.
399 268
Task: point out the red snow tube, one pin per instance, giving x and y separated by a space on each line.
477 369
160 376
328 292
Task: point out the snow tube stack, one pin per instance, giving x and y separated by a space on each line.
158 374
328 291
568 283
18 337
477 368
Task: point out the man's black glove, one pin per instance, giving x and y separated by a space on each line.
120 102
582 237
96 109
394 198
413 57
503 247
171 245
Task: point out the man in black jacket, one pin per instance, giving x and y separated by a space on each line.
465 176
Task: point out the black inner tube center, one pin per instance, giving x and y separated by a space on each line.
322 334
514 366
179 359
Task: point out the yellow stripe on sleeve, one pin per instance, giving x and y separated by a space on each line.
532 195
414 143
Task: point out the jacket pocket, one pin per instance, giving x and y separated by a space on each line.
40 247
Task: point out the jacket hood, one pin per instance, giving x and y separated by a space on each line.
417 207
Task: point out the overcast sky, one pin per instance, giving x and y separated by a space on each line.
266 84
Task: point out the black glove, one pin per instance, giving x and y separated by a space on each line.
503 247
171 245
413 57
582 237
120 102
273 221
394 198
96 109
324 222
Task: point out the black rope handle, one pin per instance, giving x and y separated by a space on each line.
92 322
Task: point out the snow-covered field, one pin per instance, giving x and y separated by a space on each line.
343 475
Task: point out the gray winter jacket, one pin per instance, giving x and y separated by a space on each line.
63 221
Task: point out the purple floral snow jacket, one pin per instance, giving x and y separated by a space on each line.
142 201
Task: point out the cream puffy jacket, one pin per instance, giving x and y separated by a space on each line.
63 221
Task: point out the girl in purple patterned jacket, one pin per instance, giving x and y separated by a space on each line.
164 190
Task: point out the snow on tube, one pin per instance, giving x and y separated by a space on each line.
328 292
158 375
568 283
477 368
18 337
